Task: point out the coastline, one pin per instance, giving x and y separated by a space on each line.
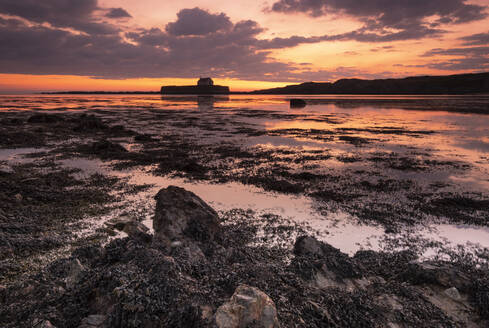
88 177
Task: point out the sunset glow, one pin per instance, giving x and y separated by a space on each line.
140 45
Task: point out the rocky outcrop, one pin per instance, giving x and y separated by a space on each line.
181 214
133 284
248 307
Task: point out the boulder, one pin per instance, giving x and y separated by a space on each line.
314 256
305 245
181 214
297 103
248 307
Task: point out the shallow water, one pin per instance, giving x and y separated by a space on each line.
337 228
441 128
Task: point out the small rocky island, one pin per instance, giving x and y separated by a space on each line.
205 86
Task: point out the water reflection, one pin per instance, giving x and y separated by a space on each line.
204 102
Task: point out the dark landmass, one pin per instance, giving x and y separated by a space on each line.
422 85
194 90
101 93
459 84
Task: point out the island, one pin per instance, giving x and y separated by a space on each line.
205 86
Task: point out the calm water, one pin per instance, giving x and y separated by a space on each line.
450 129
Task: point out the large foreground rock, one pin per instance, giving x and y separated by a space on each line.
181 214
248 307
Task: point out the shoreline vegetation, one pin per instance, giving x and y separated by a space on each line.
459 84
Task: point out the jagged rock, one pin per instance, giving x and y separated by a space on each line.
76 269
248 306
182 214
93 321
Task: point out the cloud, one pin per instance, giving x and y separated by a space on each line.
117 13
468 58
198 22
388 20
476 39
361 35
469 51
196 42
78 15
387 12
230 50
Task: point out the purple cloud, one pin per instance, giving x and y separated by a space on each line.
117 13
198 22
388 20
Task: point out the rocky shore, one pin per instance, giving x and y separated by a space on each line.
78 249
199 270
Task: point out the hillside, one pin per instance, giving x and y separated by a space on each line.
451 84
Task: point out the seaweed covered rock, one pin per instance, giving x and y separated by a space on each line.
317 259
104 146
248 307
181 214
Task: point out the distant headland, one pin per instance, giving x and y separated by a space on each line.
460 84
477 83
205 86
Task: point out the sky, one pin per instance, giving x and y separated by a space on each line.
59 45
